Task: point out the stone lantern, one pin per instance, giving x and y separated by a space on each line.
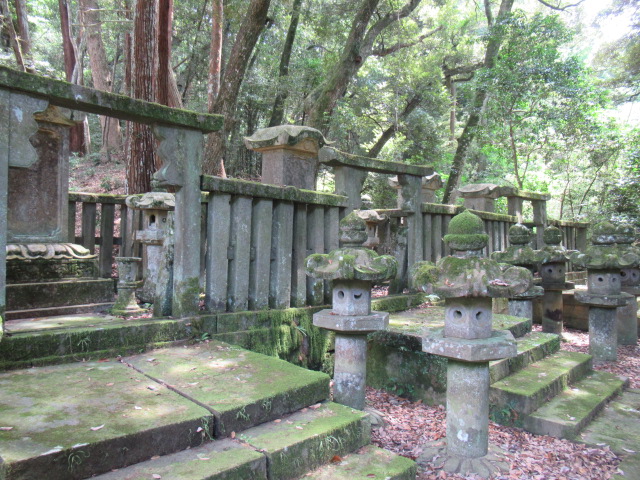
480 196
289 154
552 260
520 254
126 303
468 282
353 270
604 295
157 237
630 282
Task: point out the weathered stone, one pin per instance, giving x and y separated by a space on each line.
289 154
501 344
480 196
126 303
157 238
357 324
630 284
430 183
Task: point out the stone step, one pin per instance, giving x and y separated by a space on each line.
617 426
368 462
90 308
532 347
61 293
570 411
526 390
282 449
77 420
82 337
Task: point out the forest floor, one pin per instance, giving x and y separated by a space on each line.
409 426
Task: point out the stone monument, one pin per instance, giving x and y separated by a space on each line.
157 237
468 282
126 304
47 273
604 295
430 184
289 154
552 260
520 254
630 281
353 270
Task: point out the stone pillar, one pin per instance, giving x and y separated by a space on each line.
468 282
604 291
353 270
181 152
480 196
553 259
349 182
514 207
412 205
539 219
289 154
157 238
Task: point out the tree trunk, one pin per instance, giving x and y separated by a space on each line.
77 134
225 104
24 36
391 131
277 114
13 35
167 88
100 73
359 46
215 57
469 132
141 160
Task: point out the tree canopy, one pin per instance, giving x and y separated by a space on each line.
502 91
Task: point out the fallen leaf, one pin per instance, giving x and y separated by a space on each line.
199 429
111 384
155 475
336 459
98 427
6 429
137 407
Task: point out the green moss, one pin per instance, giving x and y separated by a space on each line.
397 303
466 223
186 298
423 275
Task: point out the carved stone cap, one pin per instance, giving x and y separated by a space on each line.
486 190
519 234
625 234
371 216
429 182
305 139
152 201
47 251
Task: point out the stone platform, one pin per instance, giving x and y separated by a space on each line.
206 411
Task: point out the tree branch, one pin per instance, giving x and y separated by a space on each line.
383 23
487 12
451 72
559 8
383 52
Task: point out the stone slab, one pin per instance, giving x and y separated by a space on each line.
219 460
531 347
309 438
86 309
241 388
368 462
526 390
568 413
73 421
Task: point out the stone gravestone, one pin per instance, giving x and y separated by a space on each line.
47 273
468 282
289 154
604 294
520 254
353 270
553 258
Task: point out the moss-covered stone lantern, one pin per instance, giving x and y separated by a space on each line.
630 283
604 262
467 281
353 270
552 260
520 254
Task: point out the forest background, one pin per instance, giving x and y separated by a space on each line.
538 94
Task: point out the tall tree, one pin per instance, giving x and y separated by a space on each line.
100 72
358 47
7 21
24 35
277 114
141 157
225 103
